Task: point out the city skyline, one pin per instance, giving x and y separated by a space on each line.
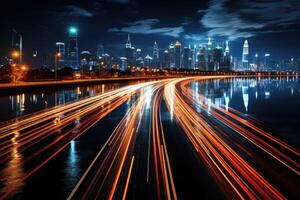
150 99
108 23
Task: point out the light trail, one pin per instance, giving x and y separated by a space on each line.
43 126
264 140
104 178
230 169
165 187
110 175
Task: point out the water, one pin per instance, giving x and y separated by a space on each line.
274 102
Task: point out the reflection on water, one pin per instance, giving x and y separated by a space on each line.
72 170
13 171
245 97
245 91
24 103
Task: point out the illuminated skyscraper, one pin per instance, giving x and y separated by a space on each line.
226 59
178 55
202 64
60 48
128 43
130 51
257 62
166 59
155 55
209 44
100 50
245 56
123 63
172 55
85 60
186 60
148 61
267 62
194 57
73 48
226 49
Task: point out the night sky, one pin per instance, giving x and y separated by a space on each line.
271 26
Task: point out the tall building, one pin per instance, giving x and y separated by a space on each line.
245 56
130 52
186 60
226 49
138 53
172 55
178 55
194 57
217 58
155 56
123 63
267 62
139 61
257 62
100 50
201 57
209 44
73 48
226 59
60 48
166 59
148 61
85 60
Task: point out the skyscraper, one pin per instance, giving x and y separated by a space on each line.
186 60
257 62
148 60
100 50
226 59
177 54
226 49
129 50
201 57
166 59
217 57
194 57
85 60
60 48
73 48
172 55
267 63
245 56
155 56
123 63
209 44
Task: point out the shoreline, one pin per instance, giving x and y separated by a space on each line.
14 87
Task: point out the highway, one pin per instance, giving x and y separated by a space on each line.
135 162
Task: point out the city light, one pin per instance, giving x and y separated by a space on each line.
24 67
120 99
73 30
15 54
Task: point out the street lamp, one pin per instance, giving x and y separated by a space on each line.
56 57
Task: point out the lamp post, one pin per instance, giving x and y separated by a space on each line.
56 57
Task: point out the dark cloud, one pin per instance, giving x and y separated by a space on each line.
76 11
147 26
243 19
